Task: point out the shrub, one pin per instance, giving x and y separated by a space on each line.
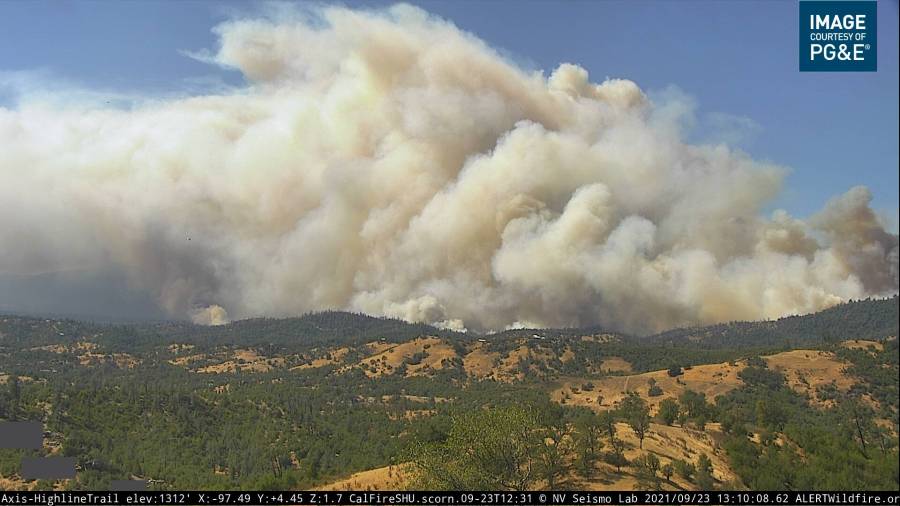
685 469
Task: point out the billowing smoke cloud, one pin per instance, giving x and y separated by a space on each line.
389 163
210 315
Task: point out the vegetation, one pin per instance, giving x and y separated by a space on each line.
635 411
869 319
801 447
668 411
300 402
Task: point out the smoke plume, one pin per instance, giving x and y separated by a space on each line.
387 162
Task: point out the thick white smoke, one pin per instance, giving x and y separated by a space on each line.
389 163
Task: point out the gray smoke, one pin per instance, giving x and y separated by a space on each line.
390 163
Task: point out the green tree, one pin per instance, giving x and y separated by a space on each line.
859 419
685 469
648 467
770 413
616 455
694 407
588 433
489 449
555 449
635 411
704 464
654 390
704 473
705 481
667 471
668 411
14 394
607 420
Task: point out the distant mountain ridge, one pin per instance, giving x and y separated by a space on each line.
863 319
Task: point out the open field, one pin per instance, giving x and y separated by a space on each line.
381 479
862 344
244 360
712 380
333 357
804 370
480 363
419 355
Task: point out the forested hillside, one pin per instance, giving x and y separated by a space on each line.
802 402
867 319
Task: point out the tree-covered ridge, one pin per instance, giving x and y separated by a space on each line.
299 402
288 334
863 319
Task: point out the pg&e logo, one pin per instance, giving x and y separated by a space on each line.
838 36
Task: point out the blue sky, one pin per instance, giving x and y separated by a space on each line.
737 60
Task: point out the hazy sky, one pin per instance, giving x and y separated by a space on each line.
737 61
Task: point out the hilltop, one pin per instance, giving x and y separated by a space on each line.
335 398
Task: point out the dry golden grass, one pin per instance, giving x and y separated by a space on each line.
91 358
436 355
413 398
333 357
15 483
231 367
84 346
510 363
615 364
224 367
805 370
509 369
483 364
378 346
600 338
247 355
187 359
479 363
52 348
667 443
381 479
180 348
5 377
80 346
244 360
120 360
712 380
125 361
412 414
88 355
862 344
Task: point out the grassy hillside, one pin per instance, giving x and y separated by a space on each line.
309 401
